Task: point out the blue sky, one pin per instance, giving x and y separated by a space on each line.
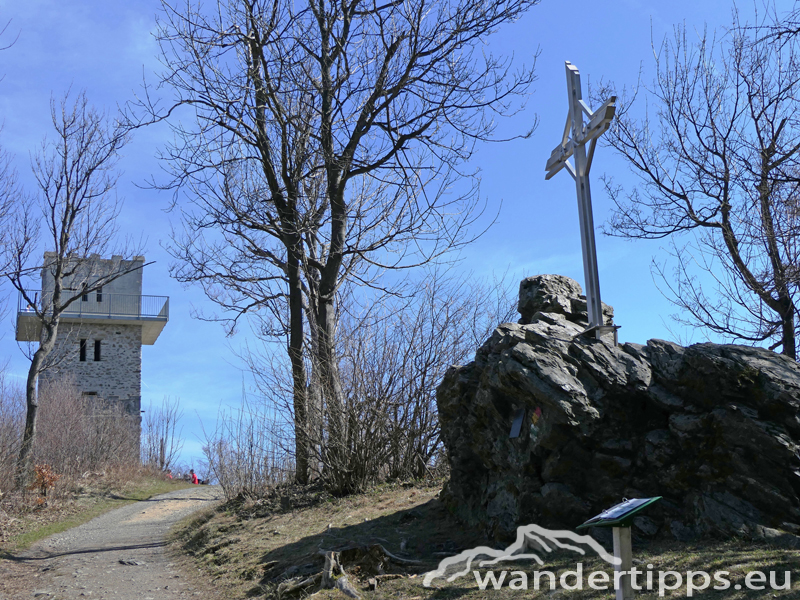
106 47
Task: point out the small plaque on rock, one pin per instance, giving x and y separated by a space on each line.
516 426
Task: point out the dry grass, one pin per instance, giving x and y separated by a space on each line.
246 549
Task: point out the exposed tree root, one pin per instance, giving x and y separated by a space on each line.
365 560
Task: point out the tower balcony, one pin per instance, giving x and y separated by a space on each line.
150 312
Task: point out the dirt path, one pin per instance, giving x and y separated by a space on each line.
119 555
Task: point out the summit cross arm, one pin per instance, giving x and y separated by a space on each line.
578 133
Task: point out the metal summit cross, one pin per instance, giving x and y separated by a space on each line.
598 123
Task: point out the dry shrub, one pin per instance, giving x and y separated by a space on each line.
75 434
12 421
78 434
161 441
247 453
44 479
392 358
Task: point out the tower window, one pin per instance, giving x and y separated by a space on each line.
97 350
83 350
100 294
85 296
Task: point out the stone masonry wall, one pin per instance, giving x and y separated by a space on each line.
118 374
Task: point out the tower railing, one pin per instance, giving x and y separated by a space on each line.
99 305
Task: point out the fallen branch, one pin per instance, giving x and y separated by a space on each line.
398 559
290 587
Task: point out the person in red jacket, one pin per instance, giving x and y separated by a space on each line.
195 480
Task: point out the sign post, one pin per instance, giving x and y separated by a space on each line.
620 517
577 135
623 551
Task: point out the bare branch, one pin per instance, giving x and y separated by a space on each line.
721 162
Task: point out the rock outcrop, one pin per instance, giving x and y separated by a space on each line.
714 429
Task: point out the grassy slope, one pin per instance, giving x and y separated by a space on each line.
246 549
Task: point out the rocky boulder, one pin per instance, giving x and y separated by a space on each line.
556 294
714 429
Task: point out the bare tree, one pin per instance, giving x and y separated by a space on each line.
393 352
720 160
161 437
73 216
327 139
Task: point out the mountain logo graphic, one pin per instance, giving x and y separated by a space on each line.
528 536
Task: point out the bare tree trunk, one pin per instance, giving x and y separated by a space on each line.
314 396
299 387
24 462
788 339
326 318
330 382
783 305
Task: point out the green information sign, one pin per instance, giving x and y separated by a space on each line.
620 515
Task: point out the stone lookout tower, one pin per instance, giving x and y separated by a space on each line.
100 335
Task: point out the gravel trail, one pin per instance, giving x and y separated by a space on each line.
119 555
